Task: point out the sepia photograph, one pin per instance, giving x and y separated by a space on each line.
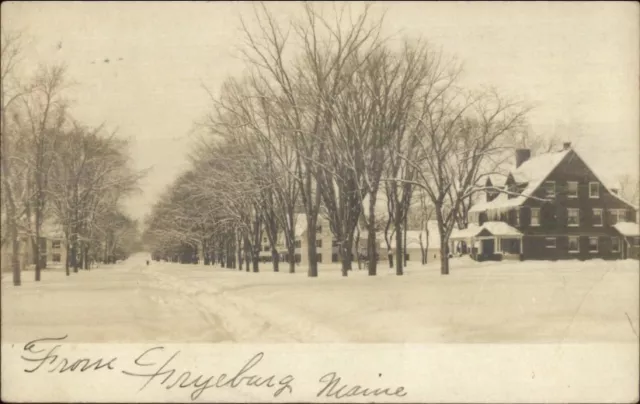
320 201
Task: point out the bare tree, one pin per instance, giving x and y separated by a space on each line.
305 89
39 120
10 93
457 131
629 188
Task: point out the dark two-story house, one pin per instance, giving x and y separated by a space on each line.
551 206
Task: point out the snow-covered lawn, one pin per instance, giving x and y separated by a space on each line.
569 301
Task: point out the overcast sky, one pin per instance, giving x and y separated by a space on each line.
578 62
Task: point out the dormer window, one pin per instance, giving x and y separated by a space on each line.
550 189
594 190
572 189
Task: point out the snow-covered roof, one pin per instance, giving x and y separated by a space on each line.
501 229
496 228
51 230
413 237
532 172
627 229
469 232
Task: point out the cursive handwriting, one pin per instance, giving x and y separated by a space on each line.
200 383
54 362
159 365
333 387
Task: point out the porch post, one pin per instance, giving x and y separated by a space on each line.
521 246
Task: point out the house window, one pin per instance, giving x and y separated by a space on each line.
573 218
297 258
574 244
636 241
319 243
550 189
597 217
517 217
615 244
572 189
535 216
319 258
55 244
594 190
550 242
319 229
334 243
622 215
55 257
617 215
264 239
298 243
266 248
334 257
593 244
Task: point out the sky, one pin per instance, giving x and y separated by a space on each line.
577 63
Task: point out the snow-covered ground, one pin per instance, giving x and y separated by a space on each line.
568 301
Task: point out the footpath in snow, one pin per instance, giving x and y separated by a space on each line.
564 301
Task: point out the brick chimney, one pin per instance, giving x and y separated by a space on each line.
566 145
522 155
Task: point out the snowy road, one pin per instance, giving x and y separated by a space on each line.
488 302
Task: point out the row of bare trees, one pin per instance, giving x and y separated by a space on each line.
55 170
331 116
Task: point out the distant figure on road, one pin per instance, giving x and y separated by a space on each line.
147 262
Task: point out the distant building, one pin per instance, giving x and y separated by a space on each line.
417 241
551 206
323 242
53 252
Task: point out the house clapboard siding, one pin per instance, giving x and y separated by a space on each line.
561 207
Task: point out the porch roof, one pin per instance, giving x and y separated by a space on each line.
627 229
500 229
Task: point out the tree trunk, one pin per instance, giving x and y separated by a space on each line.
291 252
371 238
347 256
256 259
444 253
74 252
426 248
247 255
206 254
404 243
86 257
444 259
311 247
36 247
15 257
66 253
276 260
400 258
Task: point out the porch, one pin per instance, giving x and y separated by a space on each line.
493 241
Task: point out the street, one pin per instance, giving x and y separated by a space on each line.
494 302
